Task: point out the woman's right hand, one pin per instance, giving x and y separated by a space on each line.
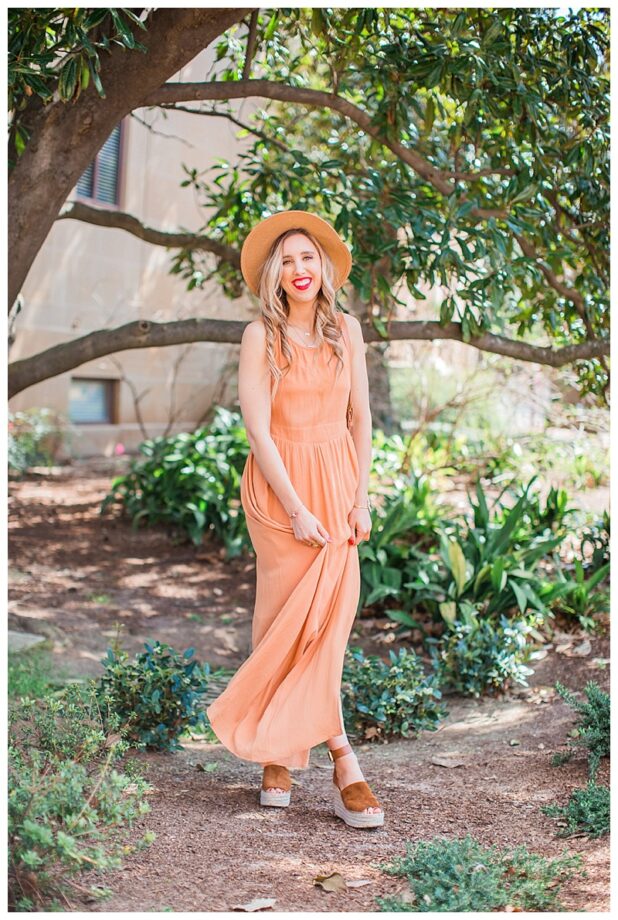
307 529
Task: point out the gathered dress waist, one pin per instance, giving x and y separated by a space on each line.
324 431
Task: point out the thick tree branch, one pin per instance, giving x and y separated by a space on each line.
145 334
120 220
171 93
65 137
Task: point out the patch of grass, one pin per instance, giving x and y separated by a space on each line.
587 810
462 875
32 673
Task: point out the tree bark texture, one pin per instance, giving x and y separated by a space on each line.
65 137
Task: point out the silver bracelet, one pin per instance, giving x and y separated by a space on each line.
366 507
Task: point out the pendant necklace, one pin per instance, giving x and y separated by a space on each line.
304 333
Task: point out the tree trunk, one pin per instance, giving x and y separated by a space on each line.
377 371
65 137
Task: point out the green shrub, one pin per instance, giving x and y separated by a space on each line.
64 796
404 527
190 481
582 597
493 559
592 728
587 810
415 560
597 536
35 437
156 695
382 700
476 654
462 875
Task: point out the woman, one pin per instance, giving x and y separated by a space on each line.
304 493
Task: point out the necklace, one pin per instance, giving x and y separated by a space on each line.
304 333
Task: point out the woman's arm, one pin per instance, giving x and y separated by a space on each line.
359 397
254 395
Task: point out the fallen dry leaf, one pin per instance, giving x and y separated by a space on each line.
446 761
333 882
256 904
583 649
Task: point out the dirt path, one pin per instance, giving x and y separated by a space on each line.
74 576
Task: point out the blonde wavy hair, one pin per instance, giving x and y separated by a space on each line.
275 311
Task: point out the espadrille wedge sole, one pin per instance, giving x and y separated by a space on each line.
356 818
351 801
275 777
275 799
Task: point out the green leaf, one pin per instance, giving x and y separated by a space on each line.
458 564
448 611
520 596
68 80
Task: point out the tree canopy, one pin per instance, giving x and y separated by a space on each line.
466 148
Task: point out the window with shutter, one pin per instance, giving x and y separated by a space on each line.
99 181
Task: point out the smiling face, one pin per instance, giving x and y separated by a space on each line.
301 272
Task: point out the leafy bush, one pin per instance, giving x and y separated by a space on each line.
155 696
593 727
35 437
582 597
476 654
64 795
493 559
395 699
406 524
597 536
462 875
587 810
417 560
191 481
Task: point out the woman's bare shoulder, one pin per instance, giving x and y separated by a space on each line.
254 332
354 326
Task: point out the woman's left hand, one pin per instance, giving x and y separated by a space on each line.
359 520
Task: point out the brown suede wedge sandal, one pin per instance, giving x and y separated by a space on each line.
275 777
351 801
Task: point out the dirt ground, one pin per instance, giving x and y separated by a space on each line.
74 576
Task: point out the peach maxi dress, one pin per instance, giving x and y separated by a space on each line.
286 696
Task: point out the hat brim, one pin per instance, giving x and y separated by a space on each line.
257 245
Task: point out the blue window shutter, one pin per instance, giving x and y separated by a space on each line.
101 184
107 169
84 186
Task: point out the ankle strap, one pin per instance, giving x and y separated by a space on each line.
340 752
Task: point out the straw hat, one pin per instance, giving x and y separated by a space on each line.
257 244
